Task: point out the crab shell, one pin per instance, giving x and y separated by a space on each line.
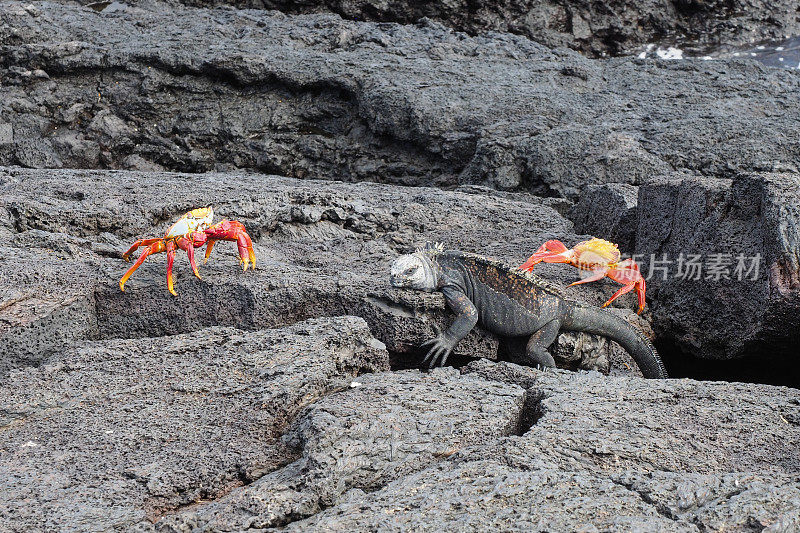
596 252
195 220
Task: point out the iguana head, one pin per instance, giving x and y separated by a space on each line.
417 271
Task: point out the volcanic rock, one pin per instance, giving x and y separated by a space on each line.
322 249
112 433
315 96
611 28
744 296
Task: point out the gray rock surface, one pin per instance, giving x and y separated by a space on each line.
588 421
605 454
734 310
224 430
598 29
114 433
315 96
609 212
390 426
323 249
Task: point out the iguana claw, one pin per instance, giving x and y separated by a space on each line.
440 347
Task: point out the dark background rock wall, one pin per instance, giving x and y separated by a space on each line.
595 28
319 97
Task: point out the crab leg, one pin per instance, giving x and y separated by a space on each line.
141 242
188 246
246 252
209 247
640 288
627 288
631 278
600 273
153 248
170 260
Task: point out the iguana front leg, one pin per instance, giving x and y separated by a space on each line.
466 318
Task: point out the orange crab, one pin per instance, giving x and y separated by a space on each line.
192 230
599 256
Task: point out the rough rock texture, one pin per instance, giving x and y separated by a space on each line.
487 495
602 453
316 96
390 426
587 420
323 249
598 29
113 433
608 211
731 310
184 434
278 397
394 450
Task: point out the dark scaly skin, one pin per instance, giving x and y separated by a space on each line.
513 303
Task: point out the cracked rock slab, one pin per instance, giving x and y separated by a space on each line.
389 426
114 433
322 248
313 96
605 454
589 421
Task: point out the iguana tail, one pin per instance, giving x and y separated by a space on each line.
602 322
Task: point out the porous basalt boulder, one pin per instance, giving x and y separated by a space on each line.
744 297
314 96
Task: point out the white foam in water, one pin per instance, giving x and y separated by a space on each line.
779 49
761 47
670 53
780 59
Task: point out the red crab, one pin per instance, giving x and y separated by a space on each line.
192 230
599 256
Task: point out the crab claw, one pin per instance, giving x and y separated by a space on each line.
550 252
232 230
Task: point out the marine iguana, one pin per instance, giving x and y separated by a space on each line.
510 302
